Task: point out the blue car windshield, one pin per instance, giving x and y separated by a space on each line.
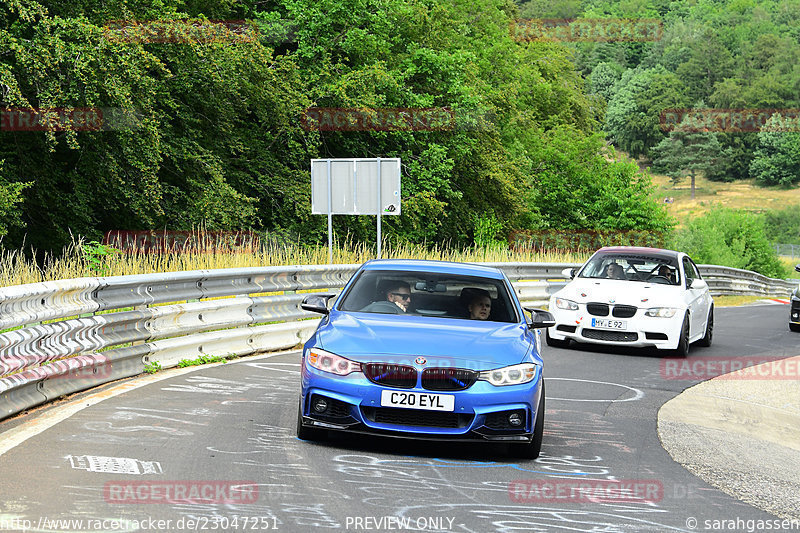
429 294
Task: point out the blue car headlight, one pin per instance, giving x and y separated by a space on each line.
330 362
509 375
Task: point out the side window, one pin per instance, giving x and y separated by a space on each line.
695 270
688 268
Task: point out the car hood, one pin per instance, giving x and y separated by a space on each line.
401 339
636 293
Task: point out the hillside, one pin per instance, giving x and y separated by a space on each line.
743 194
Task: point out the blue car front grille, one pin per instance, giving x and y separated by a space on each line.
416 417
391 375
448 378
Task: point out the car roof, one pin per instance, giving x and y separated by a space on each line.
439 267
643 250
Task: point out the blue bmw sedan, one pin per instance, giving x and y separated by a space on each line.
427 350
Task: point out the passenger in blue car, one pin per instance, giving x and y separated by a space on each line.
398 298
480 305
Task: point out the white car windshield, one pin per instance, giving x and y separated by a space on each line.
629 267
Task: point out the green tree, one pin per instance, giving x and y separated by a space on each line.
686 152
632 118
10 198
777 157
575 183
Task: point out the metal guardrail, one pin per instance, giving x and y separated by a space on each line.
70 335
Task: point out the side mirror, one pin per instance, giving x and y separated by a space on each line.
540 318
317 303
797 268
698 284
570 272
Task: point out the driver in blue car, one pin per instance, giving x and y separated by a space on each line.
398 298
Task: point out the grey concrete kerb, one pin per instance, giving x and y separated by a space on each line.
742 435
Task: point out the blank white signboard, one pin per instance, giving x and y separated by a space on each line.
354 186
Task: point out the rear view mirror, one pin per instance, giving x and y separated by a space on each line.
570 272
317 303
540 318
429 286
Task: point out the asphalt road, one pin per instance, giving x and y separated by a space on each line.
235 423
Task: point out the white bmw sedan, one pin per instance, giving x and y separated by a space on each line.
643 297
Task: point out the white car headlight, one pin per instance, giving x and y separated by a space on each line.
662 312
563 303
330 362
509 375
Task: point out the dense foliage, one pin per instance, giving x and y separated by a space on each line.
742 54
218 137
733 238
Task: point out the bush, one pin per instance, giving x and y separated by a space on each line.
731 238
783 227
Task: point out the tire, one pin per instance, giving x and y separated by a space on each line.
683 344
709 336
555 343
307 433
532 449
794 327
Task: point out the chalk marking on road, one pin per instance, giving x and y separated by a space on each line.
54 414
638 394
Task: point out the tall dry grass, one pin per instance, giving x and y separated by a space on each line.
77 260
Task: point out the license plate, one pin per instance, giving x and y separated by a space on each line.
418 400
604 323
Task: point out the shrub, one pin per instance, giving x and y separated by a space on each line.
731 238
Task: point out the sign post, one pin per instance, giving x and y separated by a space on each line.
358 186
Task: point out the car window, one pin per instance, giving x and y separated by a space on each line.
633 267
430 294
688 269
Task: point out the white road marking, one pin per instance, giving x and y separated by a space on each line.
638 394
54 414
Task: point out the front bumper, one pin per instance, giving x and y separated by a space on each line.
794 312
480 412
641 331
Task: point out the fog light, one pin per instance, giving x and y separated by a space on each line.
514 419
320 405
